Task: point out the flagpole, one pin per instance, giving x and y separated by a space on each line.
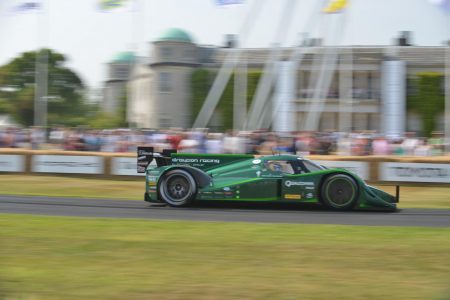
229 63
240 94
135 21
37 90
447 97
345 91
41 70
270 73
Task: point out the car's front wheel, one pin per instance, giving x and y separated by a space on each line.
177 188
339 192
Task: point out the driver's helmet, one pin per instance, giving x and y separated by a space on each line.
274 166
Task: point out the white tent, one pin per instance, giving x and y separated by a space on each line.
6 121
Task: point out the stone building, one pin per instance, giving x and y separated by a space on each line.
119 69
160 93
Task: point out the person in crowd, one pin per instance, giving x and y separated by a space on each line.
37 137
233 142
380 146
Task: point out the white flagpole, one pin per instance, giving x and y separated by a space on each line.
345 91
240 94
135 22
447 97
270 72
228 66
41 72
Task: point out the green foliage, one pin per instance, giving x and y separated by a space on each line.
23 106
17 81
201 82
103 120
429 101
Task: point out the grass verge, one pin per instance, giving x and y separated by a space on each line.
52 186
76 258
62 186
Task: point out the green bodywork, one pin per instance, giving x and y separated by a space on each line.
246 178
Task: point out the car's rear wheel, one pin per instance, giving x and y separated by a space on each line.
177 188
339 192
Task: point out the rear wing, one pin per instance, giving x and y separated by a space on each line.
145 156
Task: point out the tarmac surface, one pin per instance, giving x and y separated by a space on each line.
219 211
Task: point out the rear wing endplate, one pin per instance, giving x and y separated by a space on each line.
145 156
397 193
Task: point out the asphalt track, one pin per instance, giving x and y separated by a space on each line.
227 212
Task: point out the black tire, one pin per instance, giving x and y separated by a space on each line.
339 192
177 188
147 197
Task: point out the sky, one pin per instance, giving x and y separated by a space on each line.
90 38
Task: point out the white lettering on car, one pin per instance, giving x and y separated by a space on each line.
289 183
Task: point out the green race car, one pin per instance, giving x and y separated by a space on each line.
179 179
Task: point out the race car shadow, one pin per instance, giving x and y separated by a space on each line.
259 206
248 205
264 206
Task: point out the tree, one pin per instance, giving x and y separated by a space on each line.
428 101
65 90
201 83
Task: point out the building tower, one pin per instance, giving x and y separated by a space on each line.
115 87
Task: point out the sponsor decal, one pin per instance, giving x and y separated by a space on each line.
151 178
127 166
289 183
67 164
12 163
258 173
292 196
256 161
226 188
415 172
420 172
148 151
144 153
183 160
309 196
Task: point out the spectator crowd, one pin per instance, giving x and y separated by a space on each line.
203 141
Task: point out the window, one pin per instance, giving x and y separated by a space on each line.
121 72
166 52
279 166
188 55
164 123
165 82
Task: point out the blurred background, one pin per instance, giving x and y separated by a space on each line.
342 77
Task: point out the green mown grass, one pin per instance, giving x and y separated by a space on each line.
411 196
77 258
63 186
